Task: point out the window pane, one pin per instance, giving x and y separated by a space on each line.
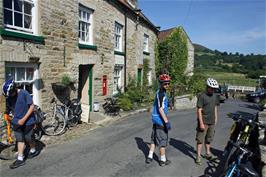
30 72
27 22
27 8
8 17
18 5
8 4
10 73
20 74
18 19
83 36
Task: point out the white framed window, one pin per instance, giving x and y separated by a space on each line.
117 78
21 15
118 36
146 43
85 25
26 76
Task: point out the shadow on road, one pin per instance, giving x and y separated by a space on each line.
215 167
143 146
184 147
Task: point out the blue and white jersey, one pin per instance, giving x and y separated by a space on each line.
160 100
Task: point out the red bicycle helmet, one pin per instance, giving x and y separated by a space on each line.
164 78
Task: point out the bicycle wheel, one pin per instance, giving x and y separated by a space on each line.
8 152
54 125
37 132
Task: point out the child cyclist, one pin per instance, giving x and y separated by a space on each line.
23 121
161 124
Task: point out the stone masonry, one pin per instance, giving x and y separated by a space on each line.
60 53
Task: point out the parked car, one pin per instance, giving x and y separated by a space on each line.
256 96
222 93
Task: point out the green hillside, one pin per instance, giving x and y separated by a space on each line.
251 66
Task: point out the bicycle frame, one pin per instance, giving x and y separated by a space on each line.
7 120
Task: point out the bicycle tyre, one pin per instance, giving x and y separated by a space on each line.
54 126
38 132
8 152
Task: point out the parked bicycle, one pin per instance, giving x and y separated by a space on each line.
111 107
7 138
244 131
67 114
240 165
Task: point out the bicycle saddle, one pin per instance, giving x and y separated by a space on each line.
248 170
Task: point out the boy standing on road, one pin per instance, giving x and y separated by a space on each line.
161 124
207 118
23 121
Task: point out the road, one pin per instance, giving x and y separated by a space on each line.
119 149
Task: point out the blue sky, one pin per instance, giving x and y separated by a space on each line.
225 25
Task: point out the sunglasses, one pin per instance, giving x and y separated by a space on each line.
166 84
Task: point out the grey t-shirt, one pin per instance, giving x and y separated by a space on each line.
207 103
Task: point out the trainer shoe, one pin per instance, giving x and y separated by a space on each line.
162 163
148 160
33 154
17 164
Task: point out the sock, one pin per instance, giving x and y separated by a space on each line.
163 158
32 150
20 157
150 154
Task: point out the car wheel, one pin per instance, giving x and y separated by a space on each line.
257 100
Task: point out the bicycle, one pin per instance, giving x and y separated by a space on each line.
243 131
111 107
54 123
7 144
240 165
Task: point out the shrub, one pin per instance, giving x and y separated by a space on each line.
124 102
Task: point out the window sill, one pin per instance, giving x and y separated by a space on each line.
13 34
119 53
146 53
86 46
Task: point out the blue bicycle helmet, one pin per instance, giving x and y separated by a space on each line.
8 88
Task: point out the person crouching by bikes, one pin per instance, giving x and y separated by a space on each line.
161 124
23 121
207 118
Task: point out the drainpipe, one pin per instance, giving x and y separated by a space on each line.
125 51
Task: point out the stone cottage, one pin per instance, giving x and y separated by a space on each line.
99 44
190 66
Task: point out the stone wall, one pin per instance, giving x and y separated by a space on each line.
60 54
190 65
185 102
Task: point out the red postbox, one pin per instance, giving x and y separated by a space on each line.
104 85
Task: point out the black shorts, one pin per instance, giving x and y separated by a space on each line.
23 133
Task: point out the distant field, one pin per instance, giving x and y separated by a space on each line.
231 78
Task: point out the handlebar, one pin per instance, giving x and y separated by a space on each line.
251 122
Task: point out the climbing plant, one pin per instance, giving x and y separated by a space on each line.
145 72
173 55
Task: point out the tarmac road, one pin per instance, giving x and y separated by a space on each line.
120 148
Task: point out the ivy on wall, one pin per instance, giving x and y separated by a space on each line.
145 72
173 55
